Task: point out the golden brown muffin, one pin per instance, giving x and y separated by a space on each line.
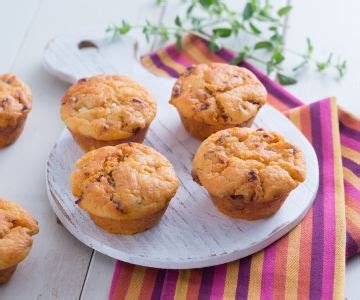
212 97
15 105
16 229
248 173
125 189
106 110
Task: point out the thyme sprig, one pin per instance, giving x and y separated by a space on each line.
214 20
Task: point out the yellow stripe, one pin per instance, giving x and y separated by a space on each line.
352 215
197 54
182 284
148 63
350 154
351 177
256 275
349 115
168 61
136 282
292 263
232 272
294 116
339 266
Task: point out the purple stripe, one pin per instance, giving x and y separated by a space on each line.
175 55
349 131
226 54
169 286
354 167
352 191
243 278
206 283
267 280
349 142
328 203
318 209
158 62
159 283
351 246
217 290
116 274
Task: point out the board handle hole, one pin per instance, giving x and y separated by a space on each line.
87 44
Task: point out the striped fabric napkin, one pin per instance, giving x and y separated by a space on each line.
309 262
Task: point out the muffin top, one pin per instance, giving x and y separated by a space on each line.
218 94
107 107
16 229
248 164
15 100
126 181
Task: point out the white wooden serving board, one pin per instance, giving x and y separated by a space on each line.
192 233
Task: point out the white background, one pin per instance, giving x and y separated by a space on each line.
59 266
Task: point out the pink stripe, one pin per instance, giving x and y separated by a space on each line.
180 59
169 286
352 191
217 290
117 271
267 281
329 202
350 143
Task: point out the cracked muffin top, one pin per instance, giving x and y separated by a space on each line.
15 100
107 107
218 94
125 181
16 229
248 164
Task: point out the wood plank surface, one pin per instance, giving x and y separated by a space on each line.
58 264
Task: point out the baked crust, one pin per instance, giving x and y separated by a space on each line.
15 105
248 172
16 230
218 95
202 130
124 188
107 107
88 144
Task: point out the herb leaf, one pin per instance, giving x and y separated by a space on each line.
263 45
207 3
222 32
248 11
284 10
285 80
214 20
240 57
254 29
178 21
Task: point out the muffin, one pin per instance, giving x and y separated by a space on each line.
15 105
16 230
213 97
107 110
125 188
248 173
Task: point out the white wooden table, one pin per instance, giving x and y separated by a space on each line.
59 266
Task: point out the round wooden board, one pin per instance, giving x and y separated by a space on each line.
192 233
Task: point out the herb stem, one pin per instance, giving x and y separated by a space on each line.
217 21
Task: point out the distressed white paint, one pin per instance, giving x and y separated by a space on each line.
58 263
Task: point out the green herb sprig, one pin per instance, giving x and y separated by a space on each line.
214 21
